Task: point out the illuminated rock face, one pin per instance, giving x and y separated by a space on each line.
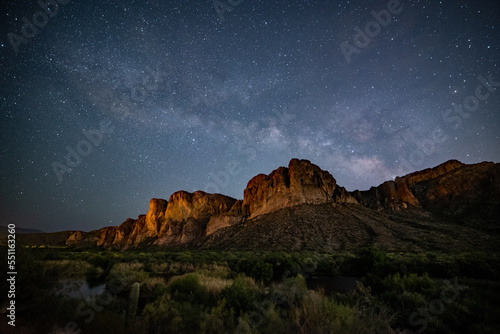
188 214
451 189
301 183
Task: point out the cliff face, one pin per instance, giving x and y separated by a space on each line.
132 232
432 173
183 218
389 195
451 189
467 191
301 183
188 214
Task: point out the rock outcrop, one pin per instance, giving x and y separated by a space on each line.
389 195
301 183
188 214
465 191
452 189
432 173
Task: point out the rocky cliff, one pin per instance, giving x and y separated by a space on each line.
301 183
188 214
451 190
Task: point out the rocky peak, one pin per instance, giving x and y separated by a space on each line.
188 214
300 183
183 205
464 190
156 214
451 189
432 173
390 194
439 189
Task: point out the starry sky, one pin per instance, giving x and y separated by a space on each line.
106 104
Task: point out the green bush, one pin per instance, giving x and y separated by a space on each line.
219 320
262 271
240 295
188 288
161 316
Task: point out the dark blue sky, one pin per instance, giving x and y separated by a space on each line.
106 104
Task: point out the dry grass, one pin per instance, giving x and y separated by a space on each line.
180 268
128 266
129 272
71 268
214 285
149 284
215 270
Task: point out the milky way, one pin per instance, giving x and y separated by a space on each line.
106 104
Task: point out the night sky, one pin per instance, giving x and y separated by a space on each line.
106 104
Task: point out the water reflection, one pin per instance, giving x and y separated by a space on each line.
80 288
332 283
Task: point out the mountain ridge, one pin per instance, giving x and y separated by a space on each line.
445 194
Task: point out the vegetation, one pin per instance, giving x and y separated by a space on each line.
259 292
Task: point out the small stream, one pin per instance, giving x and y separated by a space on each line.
81 288
93 286
332 283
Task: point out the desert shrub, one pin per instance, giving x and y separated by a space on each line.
188 288
327 264
170 315
274 321
374 261
101 261
293 290
317 313
214 270
262 271
160 267
128 273
240 295
325 315
70 268
179 268
161 316
412 282
151 283
220 319
214 285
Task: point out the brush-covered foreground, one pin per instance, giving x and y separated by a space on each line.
254 292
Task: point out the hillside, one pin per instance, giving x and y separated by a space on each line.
452 207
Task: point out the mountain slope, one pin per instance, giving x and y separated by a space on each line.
451 206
